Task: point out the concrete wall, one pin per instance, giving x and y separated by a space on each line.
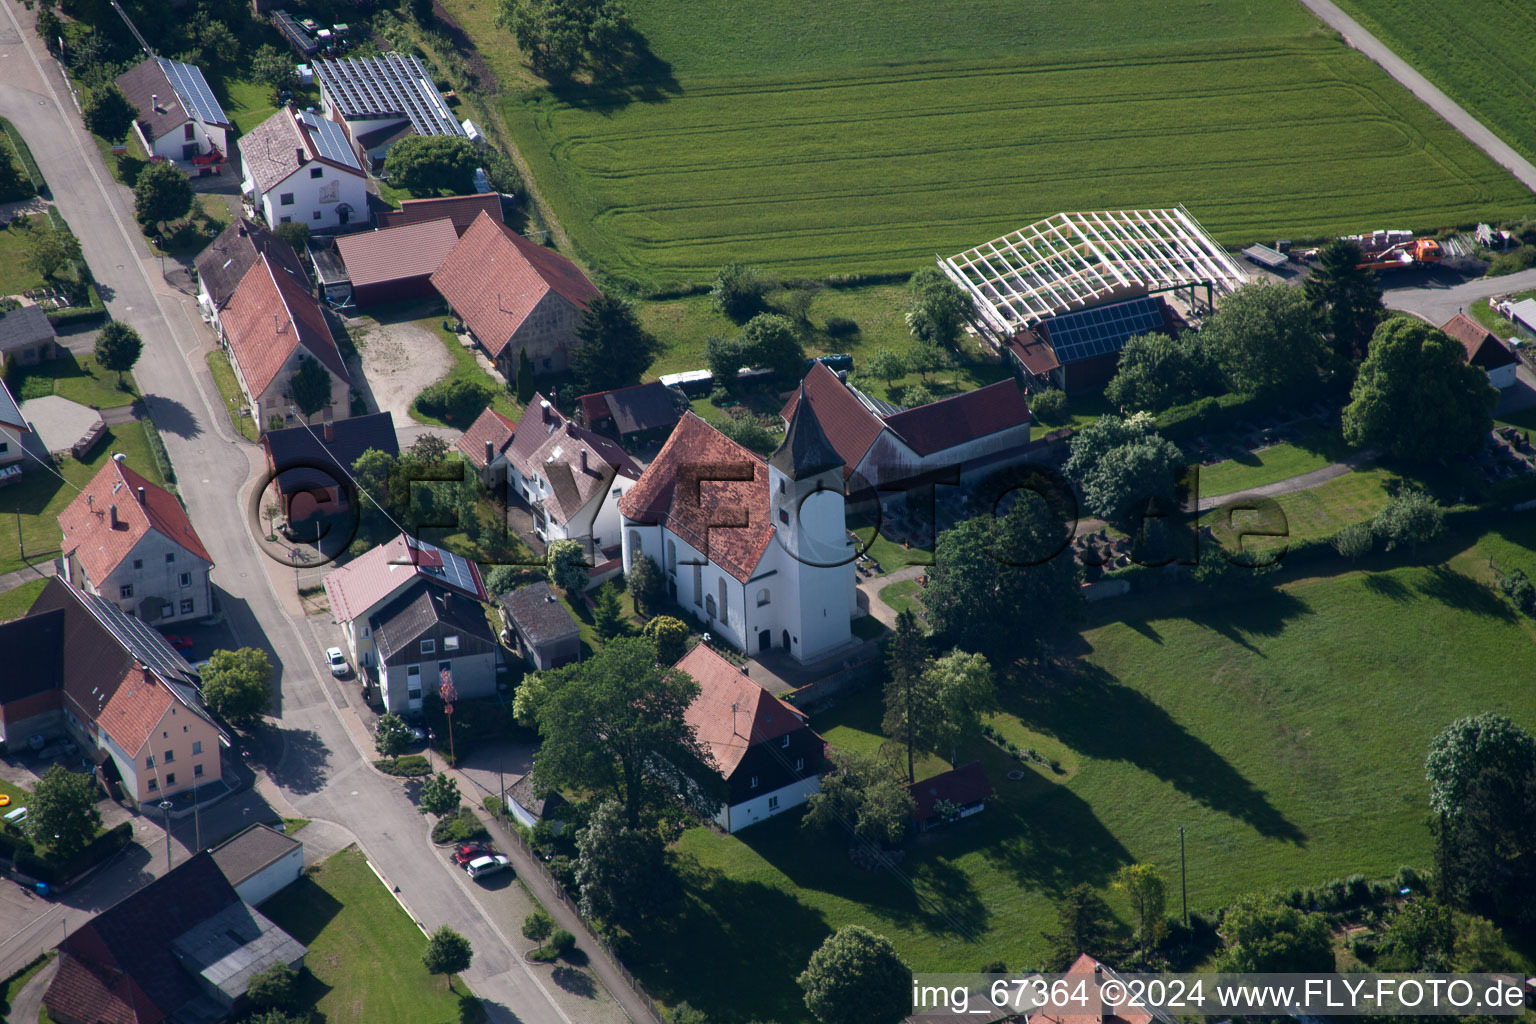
474 675
10 446
273 877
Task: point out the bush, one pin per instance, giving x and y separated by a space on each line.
1510 262
455 400
562 942
841 327
1335 895
738 291
409 766
1049 406
493 805
1520 591
462 827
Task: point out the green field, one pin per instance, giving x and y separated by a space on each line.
1273 464
874 135
1284 729
1481 53
15 602
79 379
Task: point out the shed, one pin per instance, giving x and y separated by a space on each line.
259 861
965 787
636 414
395 263
546 634
26 336
530 805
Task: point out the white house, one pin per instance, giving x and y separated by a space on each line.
13 431
300 168
1484 350
178 118
759 549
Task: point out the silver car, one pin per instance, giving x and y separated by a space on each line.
337 661
487 865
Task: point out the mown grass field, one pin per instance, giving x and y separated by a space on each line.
1285 729
1479 52
1277 462
907 140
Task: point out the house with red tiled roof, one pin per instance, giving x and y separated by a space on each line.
571 479
757 548
1484 350
484 445
976 432
131 542
770 757
461 210
1074 1004
949 796
395 263
637 415
514 295
271 327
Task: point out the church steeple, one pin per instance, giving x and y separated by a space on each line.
806 450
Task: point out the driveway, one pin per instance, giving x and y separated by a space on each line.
398 360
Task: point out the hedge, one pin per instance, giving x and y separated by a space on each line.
46 869
19 145
409 766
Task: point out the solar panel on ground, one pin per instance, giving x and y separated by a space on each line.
1102 329
330 140
192 89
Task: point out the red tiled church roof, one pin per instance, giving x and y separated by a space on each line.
960 418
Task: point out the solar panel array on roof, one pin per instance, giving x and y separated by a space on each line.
443 565
1102 329
192 89
148 646
330 140
391 84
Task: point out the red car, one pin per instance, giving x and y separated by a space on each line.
181 643
471 851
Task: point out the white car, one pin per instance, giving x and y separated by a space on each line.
337 661
487 865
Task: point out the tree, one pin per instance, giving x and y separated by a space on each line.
49 29
1082 926
1049 406
448 953
607 616
1410 518
1420 936
911 717
1482 796
118 347
62 813
272 68
51 251
926 357
525 384
238 684
738 291
567 566
562 36
885 364
938 308
1345 298
219 44
161 193
270 511
750 431
1156 372
421 12
276 988
108 113
1264 936
455 399
430 449
856 977
1264 339
614 725
432 163
1482 948
1415 370
1129 477
12 180
615 349
725 358
861 794
440 795
538 926
646 585
391 736
769 340
913 395
295 233
371 472
621 870
1144 887
1354 540
669 635
310 387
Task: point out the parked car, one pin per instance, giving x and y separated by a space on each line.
181 643
471 851
487 865
337 661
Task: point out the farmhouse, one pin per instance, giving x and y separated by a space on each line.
26 337
259 861
434 633
571 478
759 548
395 263
362 587
379 100
131 542
635 416
314 464
13 432
460 210
299 168
223 265
114 684
178 118
1063 295
514 295
1484 350
182 948
542 628
270 328
485 445
957 793
977 431
770 758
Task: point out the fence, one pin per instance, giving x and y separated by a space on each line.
613 958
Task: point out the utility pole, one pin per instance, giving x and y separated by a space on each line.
165 810
1183 877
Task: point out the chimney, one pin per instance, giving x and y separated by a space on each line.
154 102
490 453
141 495
330 432
241 229
299 152
112 516
546 411
583 460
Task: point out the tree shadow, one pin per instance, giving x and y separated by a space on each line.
1455 590
172 417
637 76
302 767
1385 585
1263 615
1126 725
574 981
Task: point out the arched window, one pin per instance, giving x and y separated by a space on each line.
709 606
725 604
636 548
763 597
671 556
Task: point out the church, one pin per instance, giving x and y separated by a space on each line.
759 549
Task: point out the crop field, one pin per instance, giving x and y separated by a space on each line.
876 168
1481 53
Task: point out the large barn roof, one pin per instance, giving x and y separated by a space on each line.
1074 260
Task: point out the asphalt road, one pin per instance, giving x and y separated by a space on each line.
320 772
1475 131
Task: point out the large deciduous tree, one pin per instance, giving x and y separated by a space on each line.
1156 372
621 870
51 251
1265 340
310 387
448 953
566 566
1264 936
391 736
769 340
938 308
615 349
1417 396
561 37
108 113
274 69
440 795
118 347
856 977
963 691
62 813
1083 925
238 684
863 795
647 586
1345 299
738 291
431 163
161 193
1411 518
910 715
1144 887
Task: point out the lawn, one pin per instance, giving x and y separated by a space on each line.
1477 51
16 278
15 602
878 134
1312 514
364 960
234 398
41 496
79 379
1285 730
904 596
465 367
1278 462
